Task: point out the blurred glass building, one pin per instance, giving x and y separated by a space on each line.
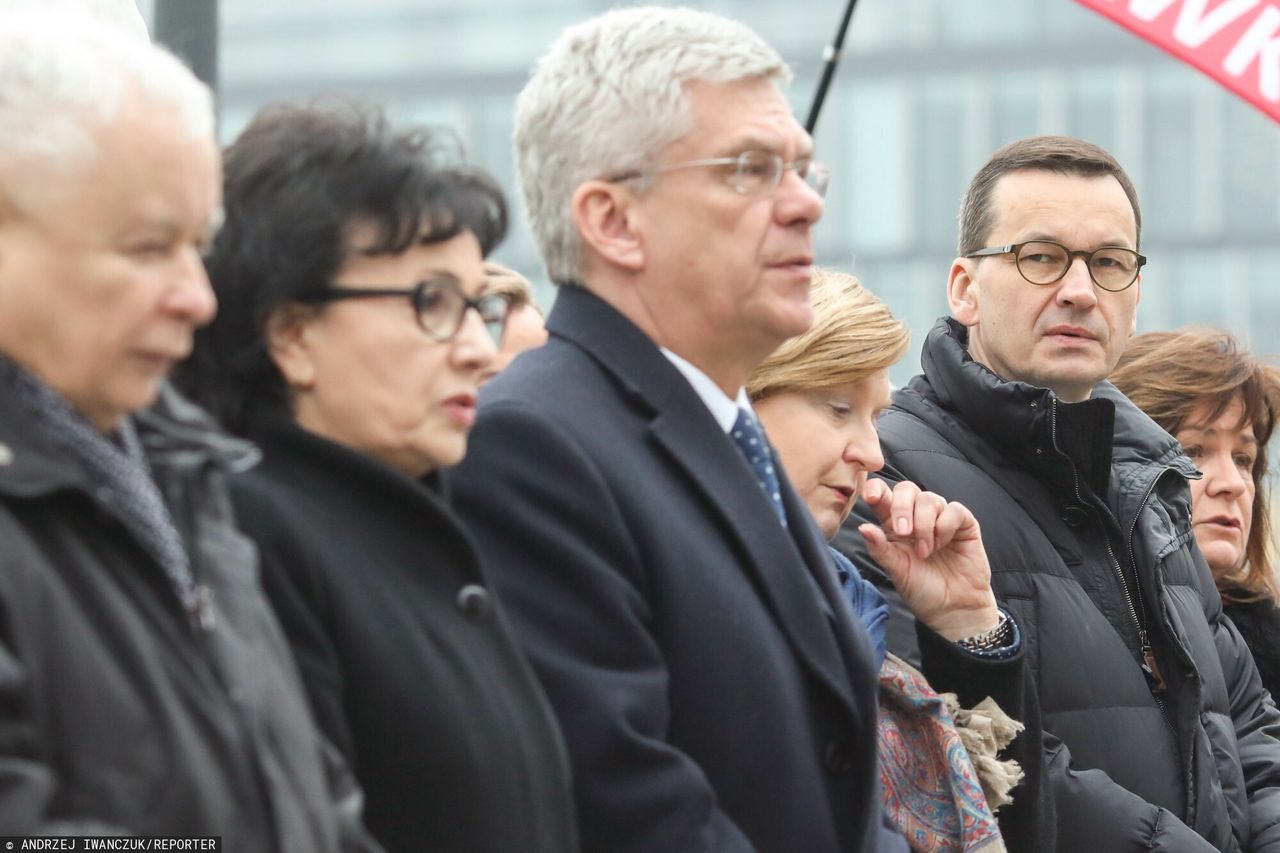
926 91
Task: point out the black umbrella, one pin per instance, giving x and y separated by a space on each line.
831 58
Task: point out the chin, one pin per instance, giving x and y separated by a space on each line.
792 324
828 523
447 456
1069 386
1223 559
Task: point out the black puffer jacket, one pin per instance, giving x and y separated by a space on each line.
1259 622
1059 489
115 713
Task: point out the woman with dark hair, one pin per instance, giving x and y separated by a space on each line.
347 348
1221 404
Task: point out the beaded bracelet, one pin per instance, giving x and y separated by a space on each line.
996 638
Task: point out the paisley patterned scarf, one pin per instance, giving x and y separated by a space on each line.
931 790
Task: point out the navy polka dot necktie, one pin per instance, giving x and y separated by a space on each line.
749 438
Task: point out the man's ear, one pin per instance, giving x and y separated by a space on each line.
288 335
963 292
604 214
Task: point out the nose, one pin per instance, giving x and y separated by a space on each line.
1222 476
862 448
191 295
473 349
1076 287
795 202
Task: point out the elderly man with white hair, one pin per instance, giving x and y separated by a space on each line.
145 687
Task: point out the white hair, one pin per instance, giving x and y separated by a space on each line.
64 75
608 97
119 13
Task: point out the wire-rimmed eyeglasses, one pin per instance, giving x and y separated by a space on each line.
753 172
1041 262
438 303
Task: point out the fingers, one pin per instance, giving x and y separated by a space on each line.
914 515
925 519
929 508
953 518
903 509
882 551
874 535
876 493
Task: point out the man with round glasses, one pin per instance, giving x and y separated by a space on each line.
1157 734
1112 268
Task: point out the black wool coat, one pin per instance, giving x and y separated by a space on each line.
407 656
1068 497
713 687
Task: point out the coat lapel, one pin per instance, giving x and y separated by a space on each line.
854 641
682 426
767 552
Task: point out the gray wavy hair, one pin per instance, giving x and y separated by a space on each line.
64 73
608 97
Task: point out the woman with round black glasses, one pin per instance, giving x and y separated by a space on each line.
349 345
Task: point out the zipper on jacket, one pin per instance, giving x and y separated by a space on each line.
1154 680
1147 653
1149 667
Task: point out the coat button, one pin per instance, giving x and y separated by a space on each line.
837 757
1075 517
474 601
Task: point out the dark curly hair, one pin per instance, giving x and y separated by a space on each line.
297 183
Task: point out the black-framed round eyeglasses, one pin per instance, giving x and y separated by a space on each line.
1112 268
438 303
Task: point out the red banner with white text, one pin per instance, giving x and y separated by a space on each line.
1236 42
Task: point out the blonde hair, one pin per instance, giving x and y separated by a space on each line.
508 283
853 336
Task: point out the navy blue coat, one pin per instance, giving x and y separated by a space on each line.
707 700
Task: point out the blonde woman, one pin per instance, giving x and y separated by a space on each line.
818 397
525 327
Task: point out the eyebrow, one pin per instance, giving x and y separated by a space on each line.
755 143
168 228
471 289
1045 237
1210 430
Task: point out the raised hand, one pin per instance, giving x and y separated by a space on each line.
932 550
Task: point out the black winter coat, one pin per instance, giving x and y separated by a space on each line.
708 702
408 659
115 713
1068 496
1259 623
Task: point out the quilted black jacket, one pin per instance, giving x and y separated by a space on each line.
1071 497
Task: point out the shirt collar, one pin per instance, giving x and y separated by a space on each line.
722 407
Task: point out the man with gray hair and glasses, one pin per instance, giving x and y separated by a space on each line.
145 687
670 588
1157 732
